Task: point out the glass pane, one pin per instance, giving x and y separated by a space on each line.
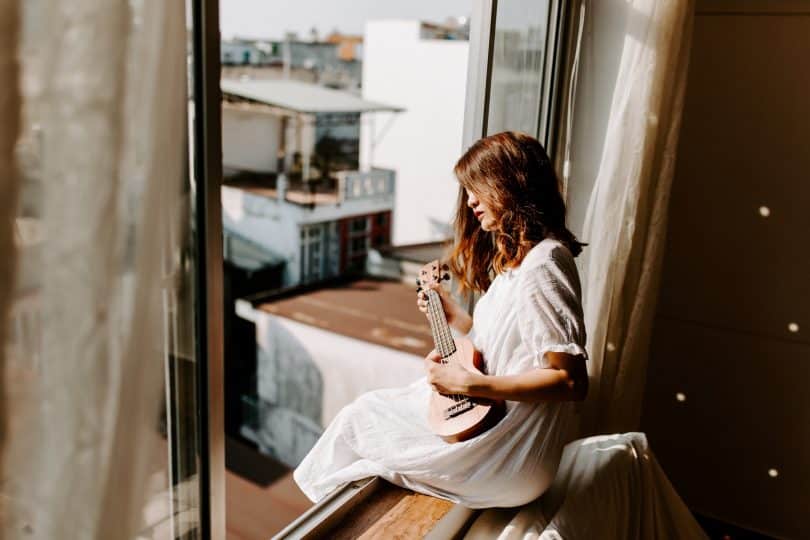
323 309
518 57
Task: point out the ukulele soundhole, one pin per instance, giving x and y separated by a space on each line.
459 408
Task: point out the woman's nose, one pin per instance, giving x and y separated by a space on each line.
472 202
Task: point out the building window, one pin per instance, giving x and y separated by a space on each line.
313 253
358 225
381 219
358 246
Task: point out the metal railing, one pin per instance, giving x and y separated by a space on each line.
365 184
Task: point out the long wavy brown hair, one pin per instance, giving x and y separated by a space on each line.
511 173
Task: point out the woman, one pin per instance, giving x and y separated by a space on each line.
528 325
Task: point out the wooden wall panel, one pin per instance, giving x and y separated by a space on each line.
734 280
745 143
746 411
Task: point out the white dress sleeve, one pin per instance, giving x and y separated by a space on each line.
550 316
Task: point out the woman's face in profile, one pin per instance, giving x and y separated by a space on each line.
482 211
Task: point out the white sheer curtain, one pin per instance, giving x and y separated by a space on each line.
626 218
104 90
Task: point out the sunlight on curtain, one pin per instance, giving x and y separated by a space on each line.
96 304
625 223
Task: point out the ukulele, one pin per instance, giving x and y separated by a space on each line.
454 417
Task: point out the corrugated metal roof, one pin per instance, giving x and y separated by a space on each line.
302 97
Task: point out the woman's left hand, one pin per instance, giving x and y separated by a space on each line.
450 378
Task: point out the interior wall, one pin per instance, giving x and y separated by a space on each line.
726 409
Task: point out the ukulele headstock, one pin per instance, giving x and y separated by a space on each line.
432 272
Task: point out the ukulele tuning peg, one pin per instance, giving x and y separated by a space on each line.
419 289
418 282
446 276
445 267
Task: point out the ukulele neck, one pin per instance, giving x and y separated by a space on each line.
442 338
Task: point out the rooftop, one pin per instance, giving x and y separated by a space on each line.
301 97
419 253
341 186
377 311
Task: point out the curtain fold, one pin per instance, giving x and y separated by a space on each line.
105 89
64 452
626 219
154 127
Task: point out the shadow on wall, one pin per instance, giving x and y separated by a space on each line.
285 420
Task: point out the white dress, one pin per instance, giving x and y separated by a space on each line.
526 312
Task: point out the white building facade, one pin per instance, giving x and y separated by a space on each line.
293 188
316 241
404 64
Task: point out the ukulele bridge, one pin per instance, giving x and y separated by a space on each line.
457 409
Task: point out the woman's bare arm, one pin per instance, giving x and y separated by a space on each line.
565 380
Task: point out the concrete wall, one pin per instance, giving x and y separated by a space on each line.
240 53
268 222
306 375
348 367
250 139
428 79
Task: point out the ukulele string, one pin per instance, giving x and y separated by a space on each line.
448 344
434 328
441 341
441 331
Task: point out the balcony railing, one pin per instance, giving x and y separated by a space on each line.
366 184
341 187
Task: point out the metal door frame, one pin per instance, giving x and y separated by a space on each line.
207 219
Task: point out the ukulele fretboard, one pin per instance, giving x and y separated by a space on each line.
442 338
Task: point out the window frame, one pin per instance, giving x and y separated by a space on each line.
313 252
207 163
479 72
206 151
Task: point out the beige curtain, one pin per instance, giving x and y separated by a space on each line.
103 144
626 218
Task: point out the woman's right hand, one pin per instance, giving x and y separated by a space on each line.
455 314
